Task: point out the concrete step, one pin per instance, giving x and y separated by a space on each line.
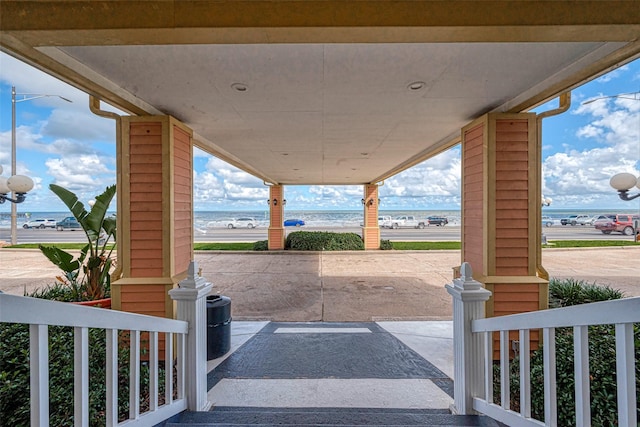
343 417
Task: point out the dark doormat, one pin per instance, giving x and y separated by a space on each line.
375 354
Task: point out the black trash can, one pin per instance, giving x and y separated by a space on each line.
218 326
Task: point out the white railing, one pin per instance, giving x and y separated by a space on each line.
476 358
184 349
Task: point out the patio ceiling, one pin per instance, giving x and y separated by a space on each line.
323 92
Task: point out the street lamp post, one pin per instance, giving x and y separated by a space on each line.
25 97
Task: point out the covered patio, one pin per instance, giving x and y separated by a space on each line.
327 92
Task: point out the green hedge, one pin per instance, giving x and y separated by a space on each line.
602 361
323 241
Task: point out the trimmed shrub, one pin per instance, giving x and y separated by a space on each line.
602 361
386 245
261 245
323 241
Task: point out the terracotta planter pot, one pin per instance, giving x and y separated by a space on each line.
101 303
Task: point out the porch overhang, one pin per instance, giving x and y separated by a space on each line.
329 85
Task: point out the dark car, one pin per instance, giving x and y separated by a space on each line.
438 220
293 222
69 223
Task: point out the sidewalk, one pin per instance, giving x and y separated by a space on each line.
344 286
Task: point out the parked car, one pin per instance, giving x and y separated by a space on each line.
596 218
437 220
69 223
40 223
620 223
547 221
407 221
293 222
575 220
384 221
244 222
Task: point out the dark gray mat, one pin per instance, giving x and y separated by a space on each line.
378 354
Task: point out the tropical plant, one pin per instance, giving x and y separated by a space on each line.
94 261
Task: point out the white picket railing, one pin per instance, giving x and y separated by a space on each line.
186 336
39 314
474 355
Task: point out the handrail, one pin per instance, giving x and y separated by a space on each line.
474 355
598 313
39 314
35 311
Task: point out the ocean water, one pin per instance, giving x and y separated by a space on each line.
312 218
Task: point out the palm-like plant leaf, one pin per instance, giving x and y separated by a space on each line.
62 259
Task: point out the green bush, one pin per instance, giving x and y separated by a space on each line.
323 241
386 245
261 245
602 361
14 373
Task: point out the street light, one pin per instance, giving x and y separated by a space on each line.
16 194
635 96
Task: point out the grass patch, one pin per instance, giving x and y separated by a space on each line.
59 245
424 246
224 246
401 246
589 243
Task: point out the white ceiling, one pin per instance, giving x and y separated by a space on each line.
327 98
330 113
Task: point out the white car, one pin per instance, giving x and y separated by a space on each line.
234 223
547 221
40 223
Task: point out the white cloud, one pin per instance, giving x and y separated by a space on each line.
581 177
80 173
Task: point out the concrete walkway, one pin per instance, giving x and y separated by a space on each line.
344 286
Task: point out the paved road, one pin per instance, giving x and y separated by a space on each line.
436 234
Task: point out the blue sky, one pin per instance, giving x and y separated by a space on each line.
64 143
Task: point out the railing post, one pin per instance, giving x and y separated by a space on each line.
190 297
469 297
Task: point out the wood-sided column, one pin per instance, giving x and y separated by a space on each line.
276 218
500 201
371 228
155 213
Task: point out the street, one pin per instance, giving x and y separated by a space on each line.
433 233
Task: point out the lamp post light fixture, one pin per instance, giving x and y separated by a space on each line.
19 185
16 194
623 182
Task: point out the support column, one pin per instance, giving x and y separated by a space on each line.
371 228
500 203
155 213
276 218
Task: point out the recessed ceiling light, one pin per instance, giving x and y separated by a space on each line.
240 87
416 86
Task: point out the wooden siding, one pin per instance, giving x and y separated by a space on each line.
371 230
276 218
473 197
145 164
146 299
183 200
512 197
